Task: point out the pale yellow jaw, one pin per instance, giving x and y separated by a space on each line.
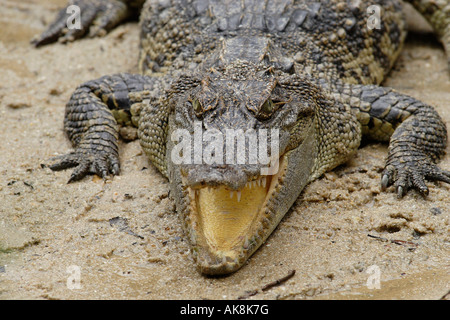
226 216
225 227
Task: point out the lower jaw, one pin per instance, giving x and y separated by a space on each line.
225 233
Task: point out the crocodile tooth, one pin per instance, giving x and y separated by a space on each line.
264 180
231 194
246 242
259 182
239 196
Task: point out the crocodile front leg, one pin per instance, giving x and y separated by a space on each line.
92 118
417 134
415 147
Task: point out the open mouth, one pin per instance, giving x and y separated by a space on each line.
230 225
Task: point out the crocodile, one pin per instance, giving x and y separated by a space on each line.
305 75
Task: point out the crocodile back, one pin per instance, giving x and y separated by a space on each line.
355 41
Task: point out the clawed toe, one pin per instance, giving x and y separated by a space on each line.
412 176
84 163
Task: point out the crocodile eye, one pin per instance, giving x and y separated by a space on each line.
266 110
197 106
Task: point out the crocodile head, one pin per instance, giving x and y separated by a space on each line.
241 148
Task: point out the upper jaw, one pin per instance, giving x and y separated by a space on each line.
233 177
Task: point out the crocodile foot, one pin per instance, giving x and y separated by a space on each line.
411 174
97 17
101 164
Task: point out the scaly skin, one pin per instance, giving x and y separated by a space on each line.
310 70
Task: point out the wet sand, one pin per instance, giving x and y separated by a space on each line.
124 236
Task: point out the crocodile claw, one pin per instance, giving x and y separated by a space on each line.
412 175
98 17
86 163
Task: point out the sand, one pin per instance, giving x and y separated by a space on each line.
122 239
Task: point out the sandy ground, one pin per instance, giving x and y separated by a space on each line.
123 239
